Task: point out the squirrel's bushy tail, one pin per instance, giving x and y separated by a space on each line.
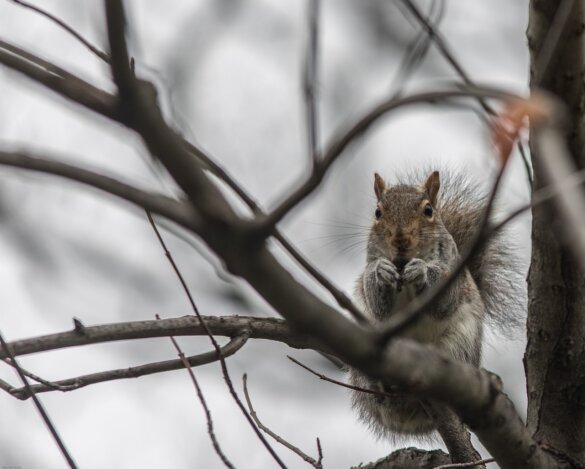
495 267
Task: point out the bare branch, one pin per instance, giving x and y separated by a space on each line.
58 80
71 384
340 383
224 369
230 326
342 299
102 55
276 437
38 379
340 143
9 354
137 103
450 57
466 464
175 210
310 80
199 392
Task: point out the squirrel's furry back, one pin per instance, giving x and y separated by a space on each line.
495 267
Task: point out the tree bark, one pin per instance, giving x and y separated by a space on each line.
555 355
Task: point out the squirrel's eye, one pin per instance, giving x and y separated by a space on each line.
428 211
378 213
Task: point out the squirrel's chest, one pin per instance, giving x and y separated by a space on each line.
426 329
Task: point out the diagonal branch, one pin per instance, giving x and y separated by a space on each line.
59 22
58 80
443 47
305 457
335 149
9 354
71 384
172 209
138 105
201 397
224 369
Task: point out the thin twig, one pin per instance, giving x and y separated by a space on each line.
72 384
316 464
224 368
445 50
102 55
52 386
320 453
462 465
210 431
417 50
38 405
341 383
310 80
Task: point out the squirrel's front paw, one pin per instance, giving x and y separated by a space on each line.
415 272
382 272
386 273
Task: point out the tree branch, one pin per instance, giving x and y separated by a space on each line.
340 143
305 457
175 210
230 326
59 22
58 80
71 384
38 405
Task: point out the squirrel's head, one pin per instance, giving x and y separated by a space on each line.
405 218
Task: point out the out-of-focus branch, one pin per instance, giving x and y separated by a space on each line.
43 413
172 209
305 457
339 383
58 80
59 22
71 384
445 50
138 105
345 138
310 81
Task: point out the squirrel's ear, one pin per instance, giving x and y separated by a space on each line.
432 185
379 186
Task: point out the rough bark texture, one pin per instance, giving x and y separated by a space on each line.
409 458
555 354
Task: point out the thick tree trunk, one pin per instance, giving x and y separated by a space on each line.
555 354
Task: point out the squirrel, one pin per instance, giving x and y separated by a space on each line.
417 235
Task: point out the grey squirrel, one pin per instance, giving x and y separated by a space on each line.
419 229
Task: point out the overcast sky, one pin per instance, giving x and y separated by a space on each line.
229 76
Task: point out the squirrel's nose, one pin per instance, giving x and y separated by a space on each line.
401 242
